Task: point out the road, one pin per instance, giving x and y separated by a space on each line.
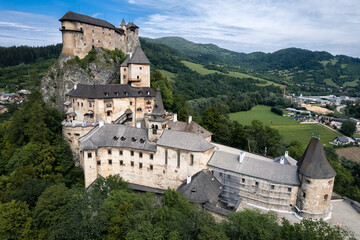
338 108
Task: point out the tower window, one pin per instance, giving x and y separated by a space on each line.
130 102
140 165
110 162
109 151
89 155
289 189
191 159
140 68
132 153
140 154
108 105
98 162
121 162
90 104
166 157
137 77
121 152
82 104
108 113
151 167
326 196
151 156
132 163
178 159
304 195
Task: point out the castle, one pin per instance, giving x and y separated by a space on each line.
124 129
81 33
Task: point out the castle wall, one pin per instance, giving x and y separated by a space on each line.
256 191
79 38
314 197
124 75
115 106
72 135
141 169
139 71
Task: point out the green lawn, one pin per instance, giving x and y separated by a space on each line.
330 82
289 129
351 84
168 74
203 71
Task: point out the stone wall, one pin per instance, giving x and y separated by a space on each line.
141 72
256 191
314 197
137 167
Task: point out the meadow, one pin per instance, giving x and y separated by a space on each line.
204 71
289 129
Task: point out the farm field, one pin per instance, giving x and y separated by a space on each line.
203 71
352 153
168 74
289 129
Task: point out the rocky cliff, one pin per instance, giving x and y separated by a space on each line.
98 67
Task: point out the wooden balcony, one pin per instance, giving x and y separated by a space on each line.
134 79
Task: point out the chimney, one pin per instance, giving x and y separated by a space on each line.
188 179
241 157
190 119
75 86
286 154
138 125
175 117
282 160
101 123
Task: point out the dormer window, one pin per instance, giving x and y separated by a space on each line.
142 140
126 93
133 139
139 92
123 138
115 138
116 93
147 92
106 94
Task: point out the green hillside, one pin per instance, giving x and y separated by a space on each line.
289 129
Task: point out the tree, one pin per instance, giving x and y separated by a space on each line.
296 150
211 119
15 220
183 114
157 80
348 127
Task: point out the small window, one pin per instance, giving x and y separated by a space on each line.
139 109
77 134
110 162
115 138
132 153
140 165
108 113
272 187
108 105
98 162
220 174
73 100
178 159
120 152
308 181
330 182
109 151
151 156
166 157
243 180
124 76
304 195
130 102
133 139
124 69
256 184
90 104
78 104
137 77
89 155
123 139
82 104
326 196
106 93
151 167
132 163
140 68
98 41
142 140
289 189
140 154
191 159
117 93
93 31
121 162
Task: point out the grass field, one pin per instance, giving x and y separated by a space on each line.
289 129
168 74
203 71
330 82
352 153
351 84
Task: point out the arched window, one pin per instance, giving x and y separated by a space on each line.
156 127
326 196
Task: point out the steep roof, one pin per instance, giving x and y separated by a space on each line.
123 23
159 105
125 62
191 127
184 140
202 188
255 166
110 91
139 57
71 16
116 135
313 163
131 25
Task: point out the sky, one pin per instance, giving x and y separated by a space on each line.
239 25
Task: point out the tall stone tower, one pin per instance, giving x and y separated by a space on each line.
317 181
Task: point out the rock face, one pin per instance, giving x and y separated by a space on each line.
67 72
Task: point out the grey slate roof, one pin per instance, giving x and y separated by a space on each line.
313 163
125 62
98 91
287 160
342 139
202 188
116 135
254 166
139 57
131 25
159 105
184 140
123 23
71 16
191 127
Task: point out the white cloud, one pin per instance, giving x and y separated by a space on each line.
259 25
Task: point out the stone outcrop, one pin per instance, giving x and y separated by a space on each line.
67 72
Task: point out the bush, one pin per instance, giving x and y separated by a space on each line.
276 110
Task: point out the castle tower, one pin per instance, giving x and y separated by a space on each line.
123 25
132 37
157 120
135 70
317 181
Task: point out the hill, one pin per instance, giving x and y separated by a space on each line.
302 70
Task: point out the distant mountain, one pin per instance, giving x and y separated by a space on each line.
290 66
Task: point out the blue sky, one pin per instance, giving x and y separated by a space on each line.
239 25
